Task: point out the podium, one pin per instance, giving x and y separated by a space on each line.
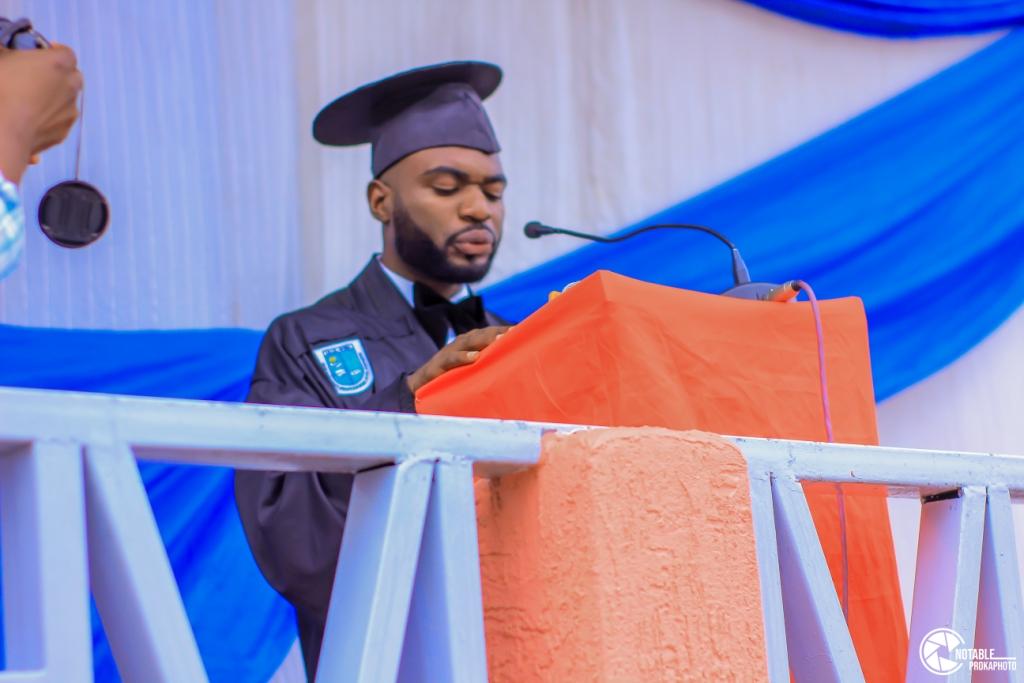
618 352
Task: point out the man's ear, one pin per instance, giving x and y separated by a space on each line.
380 199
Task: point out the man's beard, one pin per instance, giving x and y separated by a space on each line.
417 250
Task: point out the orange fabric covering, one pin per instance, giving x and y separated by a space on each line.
619 352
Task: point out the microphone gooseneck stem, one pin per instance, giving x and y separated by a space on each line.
740 273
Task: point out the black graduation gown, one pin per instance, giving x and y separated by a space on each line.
294 520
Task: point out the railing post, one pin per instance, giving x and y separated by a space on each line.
1000 612
376 568
45 584
768 570
444 640
946 583
821 649
135 590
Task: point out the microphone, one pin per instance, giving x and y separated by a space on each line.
740 274
533 230
742 287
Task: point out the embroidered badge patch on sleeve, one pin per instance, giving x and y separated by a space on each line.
346 365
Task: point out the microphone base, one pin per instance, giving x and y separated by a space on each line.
758 291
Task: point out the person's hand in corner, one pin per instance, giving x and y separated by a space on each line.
38 104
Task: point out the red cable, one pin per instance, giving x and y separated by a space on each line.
822 377
800 285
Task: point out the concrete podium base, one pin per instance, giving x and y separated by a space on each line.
627 555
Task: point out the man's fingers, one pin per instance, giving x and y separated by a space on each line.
463 351
476 340
455 359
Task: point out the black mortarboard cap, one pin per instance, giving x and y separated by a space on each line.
433 106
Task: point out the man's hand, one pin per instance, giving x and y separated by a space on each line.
39 103
463 350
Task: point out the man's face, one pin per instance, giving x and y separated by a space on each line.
447 212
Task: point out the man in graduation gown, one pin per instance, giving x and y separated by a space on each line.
408 317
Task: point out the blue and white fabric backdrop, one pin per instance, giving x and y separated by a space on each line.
916 206
903 18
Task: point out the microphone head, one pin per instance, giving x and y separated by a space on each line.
535 229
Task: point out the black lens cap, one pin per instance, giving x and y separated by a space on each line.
73 214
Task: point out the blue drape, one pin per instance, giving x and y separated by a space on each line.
242 627
903 18
917 206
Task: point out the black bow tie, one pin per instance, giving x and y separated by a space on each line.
437 314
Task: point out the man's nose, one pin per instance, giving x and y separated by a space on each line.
475 206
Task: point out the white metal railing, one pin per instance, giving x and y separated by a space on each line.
73 498
967 574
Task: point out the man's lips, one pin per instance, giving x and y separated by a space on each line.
474 242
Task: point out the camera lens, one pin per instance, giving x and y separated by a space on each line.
73 214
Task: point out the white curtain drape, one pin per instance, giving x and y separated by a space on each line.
189 130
